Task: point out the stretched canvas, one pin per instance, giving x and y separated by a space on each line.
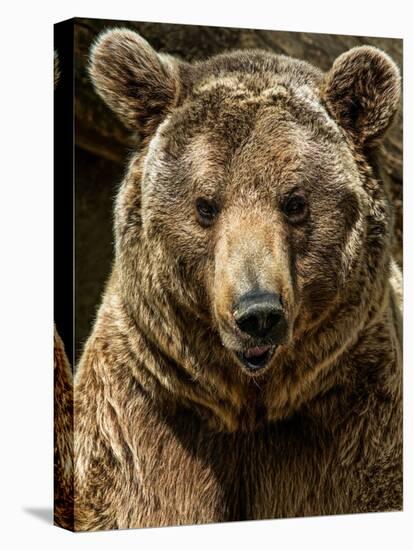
228 289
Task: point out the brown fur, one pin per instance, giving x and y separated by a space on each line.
170 428
63 437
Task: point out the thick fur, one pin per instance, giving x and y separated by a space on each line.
63 437
170 428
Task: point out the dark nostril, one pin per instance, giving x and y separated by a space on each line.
258 314
249 324
259 324
272 319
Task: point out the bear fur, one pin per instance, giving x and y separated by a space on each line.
170 425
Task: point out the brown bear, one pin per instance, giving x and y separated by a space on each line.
245 362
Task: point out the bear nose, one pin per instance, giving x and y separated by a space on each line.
259 314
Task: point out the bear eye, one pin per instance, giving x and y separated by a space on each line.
206 211
295 208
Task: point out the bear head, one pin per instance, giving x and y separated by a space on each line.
253 199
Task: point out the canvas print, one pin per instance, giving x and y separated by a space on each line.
228 288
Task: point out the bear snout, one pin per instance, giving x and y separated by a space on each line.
260 315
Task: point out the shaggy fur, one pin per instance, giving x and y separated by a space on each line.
170 426
63 437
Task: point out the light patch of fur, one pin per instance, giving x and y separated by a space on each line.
200 157
311 100
232 83
352 248
396 282
153 162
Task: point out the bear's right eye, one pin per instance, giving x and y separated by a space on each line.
206 211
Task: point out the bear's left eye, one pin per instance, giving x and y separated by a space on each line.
206 211
295 208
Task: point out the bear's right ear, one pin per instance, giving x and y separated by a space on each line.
138 84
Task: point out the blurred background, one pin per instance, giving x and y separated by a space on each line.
102 144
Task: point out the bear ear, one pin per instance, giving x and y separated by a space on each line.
137 83
362 92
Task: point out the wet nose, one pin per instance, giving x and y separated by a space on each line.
259 314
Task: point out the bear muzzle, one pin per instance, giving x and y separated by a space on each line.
261 326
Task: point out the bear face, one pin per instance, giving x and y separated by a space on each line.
253 202
241 209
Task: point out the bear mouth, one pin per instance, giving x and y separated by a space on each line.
256 358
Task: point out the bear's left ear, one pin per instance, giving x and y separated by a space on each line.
362 92
137 83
